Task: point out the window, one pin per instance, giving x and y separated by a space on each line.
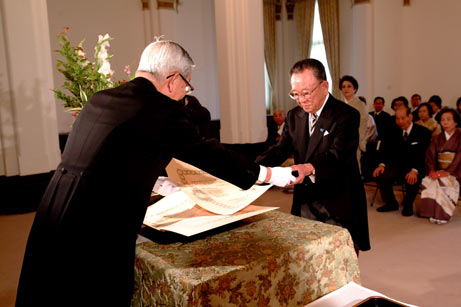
318 47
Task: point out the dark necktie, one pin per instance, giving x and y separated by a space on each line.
313 122
405 136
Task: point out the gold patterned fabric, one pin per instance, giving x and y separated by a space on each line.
273 259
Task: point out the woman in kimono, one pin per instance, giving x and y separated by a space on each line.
443 162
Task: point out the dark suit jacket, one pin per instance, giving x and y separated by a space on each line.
415 115
332 150
83 238
383 123
409 154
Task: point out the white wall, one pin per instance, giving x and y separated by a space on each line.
87 19
412 49
193 27
31 134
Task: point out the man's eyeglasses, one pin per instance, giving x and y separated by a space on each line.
189 88
304 94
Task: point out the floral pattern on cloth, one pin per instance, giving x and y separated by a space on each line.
273 259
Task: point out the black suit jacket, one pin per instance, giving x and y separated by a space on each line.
332 150
84 232
409 154
383 123
415 115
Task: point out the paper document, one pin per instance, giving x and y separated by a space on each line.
204 202
348 296
210 192
178 213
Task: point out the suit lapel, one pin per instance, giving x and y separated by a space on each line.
302 132
323 123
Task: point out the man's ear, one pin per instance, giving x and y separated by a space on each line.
170 83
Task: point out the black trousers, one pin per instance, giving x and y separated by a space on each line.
386 182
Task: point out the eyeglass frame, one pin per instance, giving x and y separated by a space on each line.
308 94
191 88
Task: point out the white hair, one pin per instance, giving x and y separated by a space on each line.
163 57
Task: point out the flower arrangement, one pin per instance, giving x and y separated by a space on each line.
83 78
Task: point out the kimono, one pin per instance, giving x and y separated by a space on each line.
439 197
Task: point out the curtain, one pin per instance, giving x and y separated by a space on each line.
329 18
304 18
270 54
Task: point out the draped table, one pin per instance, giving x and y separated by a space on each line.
273 259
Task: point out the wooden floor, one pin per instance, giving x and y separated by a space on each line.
411 259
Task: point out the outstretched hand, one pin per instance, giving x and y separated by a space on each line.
303 170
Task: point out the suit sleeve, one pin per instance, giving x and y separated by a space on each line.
183 142
282 150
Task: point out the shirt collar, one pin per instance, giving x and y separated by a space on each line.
448 136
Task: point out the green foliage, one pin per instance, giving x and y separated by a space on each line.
82 77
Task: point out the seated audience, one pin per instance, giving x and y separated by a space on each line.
443 162
436 104
381 117
426 120
458 105
415 102
279 119
275 125
402 159
395 105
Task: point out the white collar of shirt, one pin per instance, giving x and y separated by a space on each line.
323 105
377 113
408 131
448 136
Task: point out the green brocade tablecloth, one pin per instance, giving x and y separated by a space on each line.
273 259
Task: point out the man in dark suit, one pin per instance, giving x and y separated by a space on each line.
415 102
436 103
81 247
322 134
403 154
381 117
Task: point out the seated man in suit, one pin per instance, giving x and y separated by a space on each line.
415 102
381 117
436 103
403 155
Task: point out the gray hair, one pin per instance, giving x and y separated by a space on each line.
163 57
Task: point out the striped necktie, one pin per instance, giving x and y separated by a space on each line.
313 119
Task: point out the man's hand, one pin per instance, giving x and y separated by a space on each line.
304 170
411 177
378 171
280 176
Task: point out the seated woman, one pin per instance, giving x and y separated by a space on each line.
443 162
426 120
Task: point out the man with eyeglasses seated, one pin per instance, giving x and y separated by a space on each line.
81 247
322 133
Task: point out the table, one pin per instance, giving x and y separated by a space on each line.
273 259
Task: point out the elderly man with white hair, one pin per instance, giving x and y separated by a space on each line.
81 247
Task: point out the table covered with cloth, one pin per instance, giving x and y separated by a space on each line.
273 259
